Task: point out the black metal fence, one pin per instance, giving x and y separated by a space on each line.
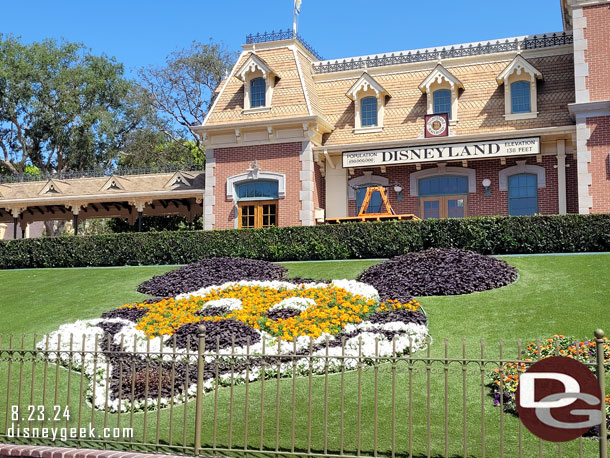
319 402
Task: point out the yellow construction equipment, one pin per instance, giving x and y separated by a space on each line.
363 216
367 200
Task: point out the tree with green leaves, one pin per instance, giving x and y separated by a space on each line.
182 91
61 107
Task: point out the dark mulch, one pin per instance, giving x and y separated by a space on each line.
282 314
437 272
208 272
127 313
220 334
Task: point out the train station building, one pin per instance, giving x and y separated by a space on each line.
515 126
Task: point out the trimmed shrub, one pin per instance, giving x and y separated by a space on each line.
437 272
208 272
489 235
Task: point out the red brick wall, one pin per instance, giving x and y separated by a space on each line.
278 158
599 167
597 54
478 204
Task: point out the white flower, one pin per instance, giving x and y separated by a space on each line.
229 303
298 303
357 288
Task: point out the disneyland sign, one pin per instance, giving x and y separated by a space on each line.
446 152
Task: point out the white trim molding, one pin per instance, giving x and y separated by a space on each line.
367 178
249 176
306 176
521 167
209 200
440 170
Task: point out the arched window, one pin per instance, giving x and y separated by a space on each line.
522 194
520 97
375 202
443 185
257 92
257 190
442 101
368 111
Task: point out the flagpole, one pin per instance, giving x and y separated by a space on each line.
294 19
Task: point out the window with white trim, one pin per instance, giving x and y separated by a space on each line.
258 88
520 89
369 102
259 81
522 194
442 91
520 97
368 111
442 101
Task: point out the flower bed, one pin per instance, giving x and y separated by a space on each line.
251 328
437 272
559 345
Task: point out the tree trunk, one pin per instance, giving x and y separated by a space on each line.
54 228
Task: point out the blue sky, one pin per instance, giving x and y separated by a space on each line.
142 33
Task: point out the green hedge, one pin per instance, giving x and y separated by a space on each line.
492 235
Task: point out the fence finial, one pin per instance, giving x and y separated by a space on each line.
599 333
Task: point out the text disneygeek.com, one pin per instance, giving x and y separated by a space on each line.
63 434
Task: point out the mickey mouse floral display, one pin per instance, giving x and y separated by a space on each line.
148 350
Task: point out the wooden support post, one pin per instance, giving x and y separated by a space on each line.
15 222
140 221
22 233
75 223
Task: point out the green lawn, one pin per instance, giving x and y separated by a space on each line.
554 294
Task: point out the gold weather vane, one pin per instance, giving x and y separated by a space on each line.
297 11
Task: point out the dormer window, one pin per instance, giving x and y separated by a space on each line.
442 91
257 92
442 101
369 102
368 111
259 81
520 94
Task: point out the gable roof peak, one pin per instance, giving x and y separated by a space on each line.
437 75
364 83
519 64
252 64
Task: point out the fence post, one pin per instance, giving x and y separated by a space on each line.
601 376
199 398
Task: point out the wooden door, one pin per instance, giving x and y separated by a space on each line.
257 214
